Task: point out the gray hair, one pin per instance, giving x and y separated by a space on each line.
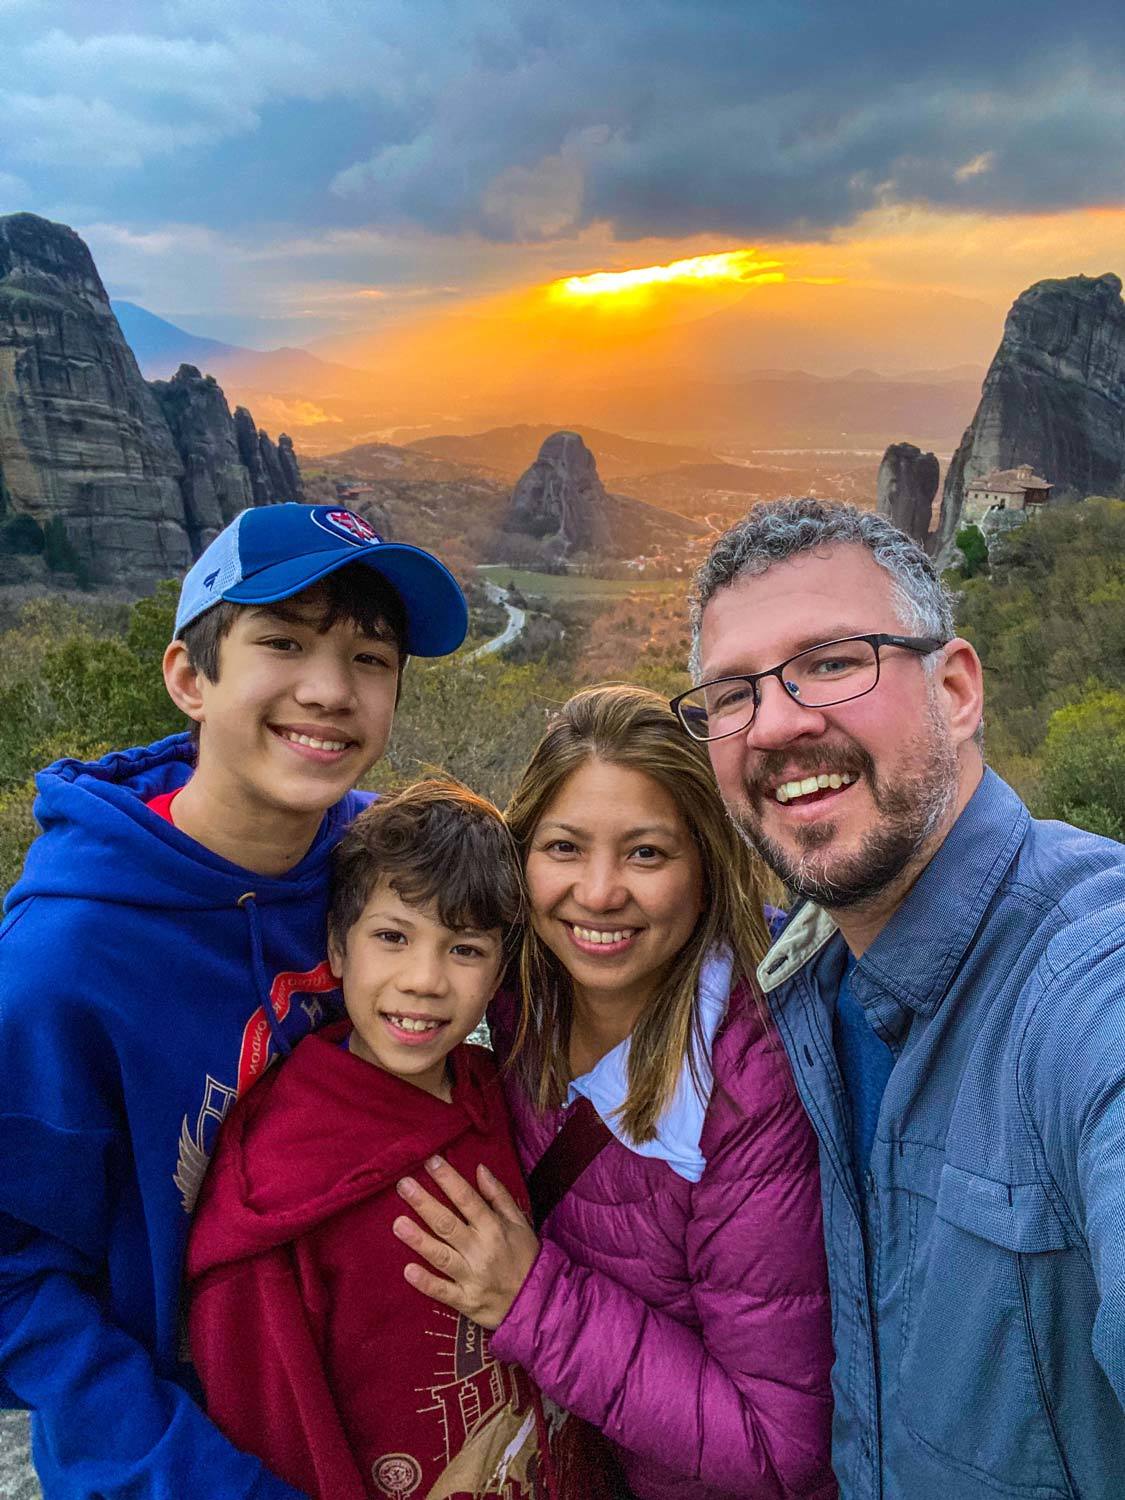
781 529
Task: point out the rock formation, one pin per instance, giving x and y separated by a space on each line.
1054 397
246 436
560 499
907 484
275 479
81 435
215 484
290 470
138 477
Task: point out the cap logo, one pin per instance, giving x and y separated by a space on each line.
345 524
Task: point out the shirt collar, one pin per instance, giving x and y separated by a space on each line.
916 955
680 1127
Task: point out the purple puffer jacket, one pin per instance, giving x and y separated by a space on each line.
689 1321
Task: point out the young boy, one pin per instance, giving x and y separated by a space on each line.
313 1351
165 942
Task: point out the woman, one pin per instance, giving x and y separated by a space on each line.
677 1296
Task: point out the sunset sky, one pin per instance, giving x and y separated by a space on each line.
879 179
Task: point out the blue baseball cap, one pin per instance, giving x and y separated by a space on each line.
272 552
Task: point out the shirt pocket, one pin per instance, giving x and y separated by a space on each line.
971 1390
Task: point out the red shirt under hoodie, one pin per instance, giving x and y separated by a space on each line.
315 1354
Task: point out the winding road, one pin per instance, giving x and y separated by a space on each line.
517 619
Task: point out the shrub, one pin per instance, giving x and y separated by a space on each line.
974 549
1083 777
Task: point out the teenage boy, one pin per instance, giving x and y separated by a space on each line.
164 945
312 1350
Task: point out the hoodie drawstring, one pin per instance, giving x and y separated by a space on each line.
248 903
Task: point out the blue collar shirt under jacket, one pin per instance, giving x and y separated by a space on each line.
978 1288
144 982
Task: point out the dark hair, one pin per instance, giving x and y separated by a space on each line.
355 595
438 844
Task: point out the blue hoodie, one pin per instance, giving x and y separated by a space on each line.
137 972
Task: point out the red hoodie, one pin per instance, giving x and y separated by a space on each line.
315 1354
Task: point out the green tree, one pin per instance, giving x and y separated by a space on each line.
1083 778
974 549
1050 616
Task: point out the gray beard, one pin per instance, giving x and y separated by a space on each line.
910 813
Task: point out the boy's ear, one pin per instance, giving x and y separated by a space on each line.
335 959
182 680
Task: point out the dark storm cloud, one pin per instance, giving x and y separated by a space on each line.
526 120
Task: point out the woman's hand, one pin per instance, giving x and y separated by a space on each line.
484 1251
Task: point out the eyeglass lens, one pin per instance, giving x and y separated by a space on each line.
818 677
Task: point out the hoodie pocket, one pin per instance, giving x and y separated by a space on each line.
972 1390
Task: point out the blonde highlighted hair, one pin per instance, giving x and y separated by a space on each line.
634 728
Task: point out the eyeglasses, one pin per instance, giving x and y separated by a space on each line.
833 672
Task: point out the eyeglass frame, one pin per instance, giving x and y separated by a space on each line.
923 645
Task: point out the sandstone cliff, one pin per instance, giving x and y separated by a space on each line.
292 487
250 452
560 498
905 489
215 484
139 477
81 435
1054 397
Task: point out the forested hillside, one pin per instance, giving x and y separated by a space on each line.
1048 620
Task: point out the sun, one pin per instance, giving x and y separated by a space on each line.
739 267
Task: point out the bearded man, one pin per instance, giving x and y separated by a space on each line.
950 991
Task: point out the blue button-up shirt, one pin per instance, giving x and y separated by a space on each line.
978 1287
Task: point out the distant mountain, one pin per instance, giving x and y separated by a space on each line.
459 509
161 347
509 450
387 461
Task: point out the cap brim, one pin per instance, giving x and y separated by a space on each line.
437 617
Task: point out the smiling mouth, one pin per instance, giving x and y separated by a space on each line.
606 940
813 788
326 744
412 1028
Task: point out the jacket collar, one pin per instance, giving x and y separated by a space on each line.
913 959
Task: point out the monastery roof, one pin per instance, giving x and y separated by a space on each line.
1009 482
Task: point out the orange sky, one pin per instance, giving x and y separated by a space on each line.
904 289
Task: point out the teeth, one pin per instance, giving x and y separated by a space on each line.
790 790
307 739
407 1023
594 935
